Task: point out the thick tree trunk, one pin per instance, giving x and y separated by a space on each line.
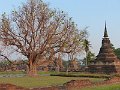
32 69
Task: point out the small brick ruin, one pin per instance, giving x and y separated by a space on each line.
74 65
71 85
106 61
78 84
51 64
11 87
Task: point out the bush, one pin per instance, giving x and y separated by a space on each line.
82 75
116 75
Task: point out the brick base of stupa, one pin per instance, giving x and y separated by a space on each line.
106 69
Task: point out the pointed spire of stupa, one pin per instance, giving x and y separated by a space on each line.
105 32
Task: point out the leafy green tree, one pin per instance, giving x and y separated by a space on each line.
112 46
117 52
90 57
86 45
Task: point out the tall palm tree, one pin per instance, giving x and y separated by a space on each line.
90 57
86 45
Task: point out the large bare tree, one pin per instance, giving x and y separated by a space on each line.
35 31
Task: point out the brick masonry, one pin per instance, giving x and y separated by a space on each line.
106 61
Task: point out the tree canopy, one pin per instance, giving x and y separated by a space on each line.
37 31
116 51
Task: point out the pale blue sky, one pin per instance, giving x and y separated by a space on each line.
92 13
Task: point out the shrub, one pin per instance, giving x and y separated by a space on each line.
82 75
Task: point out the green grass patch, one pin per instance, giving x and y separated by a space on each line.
105 87
41 81
45 80
47 72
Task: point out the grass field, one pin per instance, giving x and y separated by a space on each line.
45 80
105 87
40 81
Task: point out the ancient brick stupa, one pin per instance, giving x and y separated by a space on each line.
74 65
106 61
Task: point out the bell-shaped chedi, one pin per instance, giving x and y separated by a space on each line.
74 65
58 63
106 61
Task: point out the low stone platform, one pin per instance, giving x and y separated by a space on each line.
78 84
11 87
14 87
